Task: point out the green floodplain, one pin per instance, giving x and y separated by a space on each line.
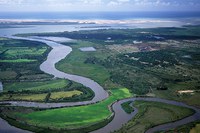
76 116
158 62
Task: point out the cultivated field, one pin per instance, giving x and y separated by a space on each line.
71 117
159 62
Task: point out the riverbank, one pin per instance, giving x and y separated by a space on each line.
49 67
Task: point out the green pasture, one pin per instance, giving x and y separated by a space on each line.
37 85
65 94
17 61
20 60
74 117
15 52
40 97
75 64
24 97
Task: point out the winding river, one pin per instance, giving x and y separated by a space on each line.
58 53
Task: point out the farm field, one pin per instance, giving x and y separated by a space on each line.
37 86
65 94
100 66
24 97
41 97
152 67
20 60
17 61
157 62
23 80
150 114
46 91
70 117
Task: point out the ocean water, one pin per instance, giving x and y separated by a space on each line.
99 20
96 15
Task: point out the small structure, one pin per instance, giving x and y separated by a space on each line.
137 42
87 49
186 91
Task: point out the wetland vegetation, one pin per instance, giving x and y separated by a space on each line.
56 119
157 62
23 79
20 60
153 113
170 62
127 107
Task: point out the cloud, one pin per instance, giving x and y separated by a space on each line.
113 3
153 2
95 2
117 2
10 2
90 2
100 5
123 1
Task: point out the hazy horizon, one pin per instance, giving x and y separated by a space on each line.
110 15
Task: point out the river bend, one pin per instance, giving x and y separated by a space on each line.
58 53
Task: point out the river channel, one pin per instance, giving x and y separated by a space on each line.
58 53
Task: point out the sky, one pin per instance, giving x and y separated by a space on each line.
98 5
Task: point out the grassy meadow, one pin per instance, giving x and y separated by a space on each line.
17 61
65 94
41 97
57 90
164 62
75 64
23 80
24 97
74 117
20 60
37 86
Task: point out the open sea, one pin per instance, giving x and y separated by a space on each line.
94 20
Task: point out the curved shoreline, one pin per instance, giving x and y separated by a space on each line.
58 53
7 128
121 117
